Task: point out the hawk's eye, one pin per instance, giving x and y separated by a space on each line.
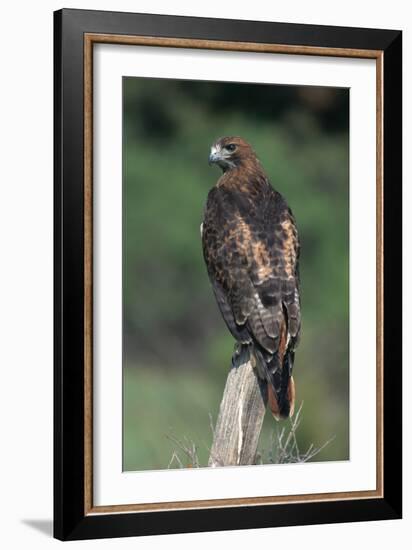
231 147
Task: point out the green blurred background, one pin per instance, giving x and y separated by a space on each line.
177 350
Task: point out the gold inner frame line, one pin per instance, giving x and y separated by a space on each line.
93 38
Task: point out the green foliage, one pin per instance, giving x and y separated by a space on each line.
177 349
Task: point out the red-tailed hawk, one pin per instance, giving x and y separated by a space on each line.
251 250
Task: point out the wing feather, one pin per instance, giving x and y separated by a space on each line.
252 257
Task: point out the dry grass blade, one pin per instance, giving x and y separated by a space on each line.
189 450
283 448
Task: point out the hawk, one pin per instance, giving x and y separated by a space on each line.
251 250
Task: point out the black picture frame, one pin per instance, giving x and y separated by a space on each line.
71 522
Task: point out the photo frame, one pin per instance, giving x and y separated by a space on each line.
76 515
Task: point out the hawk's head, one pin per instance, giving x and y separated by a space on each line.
231 152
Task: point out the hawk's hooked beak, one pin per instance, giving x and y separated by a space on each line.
214 156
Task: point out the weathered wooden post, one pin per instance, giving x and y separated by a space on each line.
241 415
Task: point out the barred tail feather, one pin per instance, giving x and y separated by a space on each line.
280 383
282 405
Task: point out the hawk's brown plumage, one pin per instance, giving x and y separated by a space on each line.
251 249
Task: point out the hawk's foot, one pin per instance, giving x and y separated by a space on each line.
241 354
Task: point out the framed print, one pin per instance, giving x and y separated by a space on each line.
227 274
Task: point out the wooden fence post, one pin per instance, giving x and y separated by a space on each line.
241 415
